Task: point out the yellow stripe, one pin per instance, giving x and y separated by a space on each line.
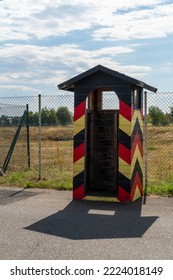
101 198
79 125
136 116
137 193
78 166
127 169
125 125
140 161
137 155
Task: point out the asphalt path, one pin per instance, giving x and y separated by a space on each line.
47 224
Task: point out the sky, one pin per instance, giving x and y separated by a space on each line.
43 43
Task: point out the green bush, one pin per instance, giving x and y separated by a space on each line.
64 116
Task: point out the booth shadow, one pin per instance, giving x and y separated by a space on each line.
95 220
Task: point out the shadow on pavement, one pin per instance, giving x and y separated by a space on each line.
9 196
94 220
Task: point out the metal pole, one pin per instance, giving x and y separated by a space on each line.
39 136
145 147
28 138
11 149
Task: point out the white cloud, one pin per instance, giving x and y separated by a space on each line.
28 19
30 65
21 88
142 24
52 65
62 53
168 66
65 53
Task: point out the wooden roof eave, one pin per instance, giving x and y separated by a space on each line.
70 84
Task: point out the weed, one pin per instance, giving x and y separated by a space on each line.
15 177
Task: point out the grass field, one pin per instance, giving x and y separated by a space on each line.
57 154
160 160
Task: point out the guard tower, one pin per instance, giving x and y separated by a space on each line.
108 144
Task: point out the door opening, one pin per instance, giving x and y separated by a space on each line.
101 147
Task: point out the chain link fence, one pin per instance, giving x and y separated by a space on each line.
43 155
50 138
160 138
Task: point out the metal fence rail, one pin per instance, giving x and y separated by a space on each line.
51 137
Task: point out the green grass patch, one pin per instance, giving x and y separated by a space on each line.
151 148
28 179
160 188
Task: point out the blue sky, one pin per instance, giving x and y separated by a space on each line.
43 42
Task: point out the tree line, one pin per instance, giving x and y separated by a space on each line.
62 116
158 118
49 117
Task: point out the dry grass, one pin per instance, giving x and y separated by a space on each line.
160 153
57 156
56 160
48 133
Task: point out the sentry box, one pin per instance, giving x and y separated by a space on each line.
108 144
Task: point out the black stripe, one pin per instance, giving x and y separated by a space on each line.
80 97
124 139
124 94
79 138
123 178
137 169
78 180
137 128
124 183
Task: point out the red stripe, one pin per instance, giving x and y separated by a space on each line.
79 193
123 196
126 111
137 182
79 110
135 143
79 152
124 153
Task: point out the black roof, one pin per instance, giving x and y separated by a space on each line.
70 84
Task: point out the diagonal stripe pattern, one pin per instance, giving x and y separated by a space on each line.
130 149
130 153
79 150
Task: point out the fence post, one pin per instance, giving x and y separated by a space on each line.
12 146
39 136
145 148
28 138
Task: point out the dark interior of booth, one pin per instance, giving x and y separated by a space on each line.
101 161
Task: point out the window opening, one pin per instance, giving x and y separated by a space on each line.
137 99
110 100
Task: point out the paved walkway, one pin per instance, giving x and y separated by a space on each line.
47 224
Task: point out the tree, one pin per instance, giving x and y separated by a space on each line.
167 119
33 118
44 116
156 115
64 116
52 117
